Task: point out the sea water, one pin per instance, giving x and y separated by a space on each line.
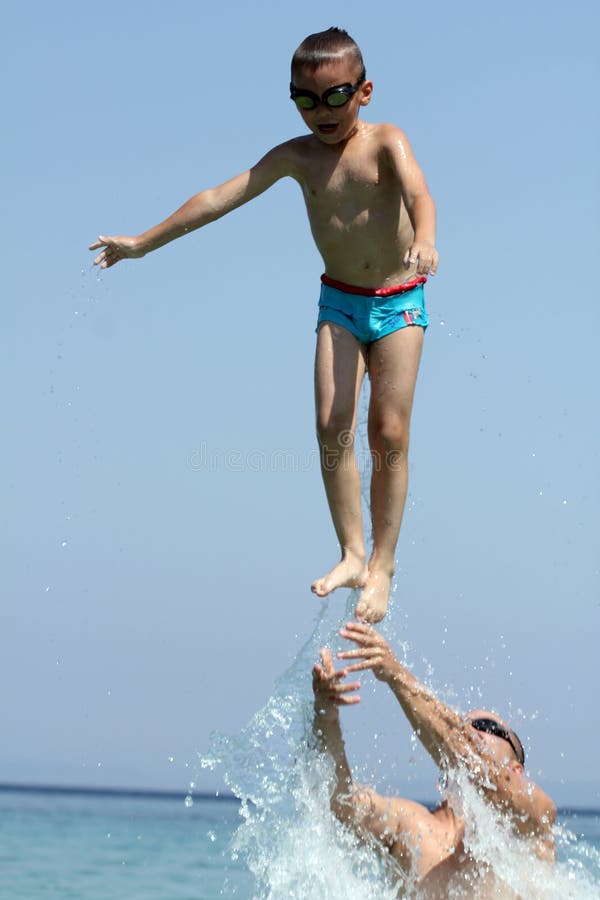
97 846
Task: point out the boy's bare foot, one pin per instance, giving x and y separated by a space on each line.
350 572
373 602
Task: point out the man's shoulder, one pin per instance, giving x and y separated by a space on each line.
399 807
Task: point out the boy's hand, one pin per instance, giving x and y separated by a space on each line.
374 651
424 256
115 249
328 690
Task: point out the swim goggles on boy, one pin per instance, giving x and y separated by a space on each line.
333 97
490 726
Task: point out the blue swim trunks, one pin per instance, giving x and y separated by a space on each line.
372 313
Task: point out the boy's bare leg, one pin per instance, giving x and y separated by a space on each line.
340 367
393 364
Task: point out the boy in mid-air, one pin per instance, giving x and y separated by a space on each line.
373 221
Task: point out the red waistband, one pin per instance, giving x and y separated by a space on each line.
374 292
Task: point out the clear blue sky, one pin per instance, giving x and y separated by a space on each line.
158 556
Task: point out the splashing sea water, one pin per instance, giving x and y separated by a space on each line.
297 850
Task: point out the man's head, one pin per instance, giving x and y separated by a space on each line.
499 740
329 84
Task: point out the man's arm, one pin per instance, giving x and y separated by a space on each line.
438 727
394 822
418 200
447 737
330 694
200 209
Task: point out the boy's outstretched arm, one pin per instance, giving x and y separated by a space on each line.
199 210
418 200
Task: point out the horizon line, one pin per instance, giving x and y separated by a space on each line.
169 794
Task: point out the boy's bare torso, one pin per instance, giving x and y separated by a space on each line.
355 207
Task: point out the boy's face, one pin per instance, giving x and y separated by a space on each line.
333 125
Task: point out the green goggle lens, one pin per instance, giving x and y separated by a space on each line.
305 102
337 99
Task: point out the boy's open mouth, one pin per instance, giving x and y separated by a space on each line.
328 129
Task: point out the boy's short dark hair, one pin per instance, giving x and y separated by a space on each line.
326 46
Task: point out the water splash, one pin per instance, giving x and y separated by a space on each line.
491 841
296 849
288 837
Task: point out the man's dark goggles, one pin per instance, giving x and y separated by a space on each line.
333 96
490 726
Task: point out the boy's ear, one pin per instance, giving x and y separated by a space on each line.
366 92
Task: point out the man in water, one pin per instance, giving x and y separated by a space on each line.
429 846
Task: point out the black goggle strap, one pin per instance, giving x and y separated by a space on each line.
490 726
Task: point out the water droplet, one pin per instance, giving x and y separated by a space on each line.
189 801
171 759
63 544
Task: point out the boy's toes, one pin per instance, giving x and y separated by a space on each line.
320 588
373 602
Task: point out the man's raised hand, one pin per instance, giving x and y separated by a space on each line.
328 686
372 649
